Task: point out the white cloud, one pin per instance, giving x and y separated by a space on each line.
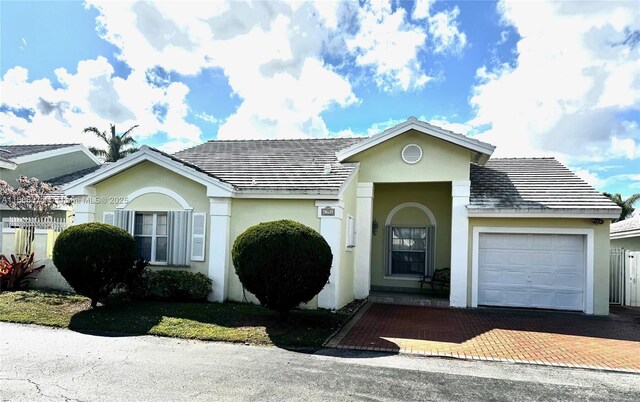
92 96
445 33
572 79
270 53
389 44
421 9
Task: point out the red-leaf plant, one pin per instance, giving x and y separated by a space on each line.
16 274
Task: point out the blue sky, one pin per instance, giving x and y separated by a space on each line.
532 78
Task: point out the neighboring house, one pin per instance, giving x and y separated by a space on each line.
393 207
626 234
54 163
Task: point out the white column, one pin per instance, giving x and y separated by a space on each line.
460 191
84 209
364 220
330 215
219 247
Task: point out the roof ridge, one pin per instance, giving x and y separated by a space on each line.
38 145
524 158
289 139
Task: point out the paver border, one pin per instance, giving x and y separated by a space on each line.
334 339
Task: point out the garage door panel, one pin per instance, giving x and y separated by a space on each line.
491 257
519 298
517 258
492 296
569 280
569 300
531 270
540 242
542 299
542 279
572 243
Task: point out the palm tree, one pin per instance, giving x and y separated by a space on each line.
116 144
626 205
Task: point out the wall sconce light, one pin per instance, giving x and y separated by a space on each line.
597 221
374 227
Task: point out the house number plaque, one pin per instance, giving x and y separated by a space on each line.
328 211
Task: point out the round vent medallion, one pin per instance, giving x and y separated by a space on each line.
411 154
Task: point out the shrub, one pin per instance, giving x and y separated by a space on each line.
16 274
283 263
178 285
94 258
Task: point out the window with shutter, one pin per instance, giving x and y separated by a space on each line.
198 231
108 218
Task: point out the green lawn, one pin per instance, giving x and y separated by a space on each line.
226 322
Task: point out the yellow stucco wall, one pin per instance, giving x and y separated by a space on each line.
148 174
347 260
601 249
249 212
629 243
441 161
436 197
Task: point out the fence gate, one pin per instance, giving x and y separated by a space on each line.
616 276
632 276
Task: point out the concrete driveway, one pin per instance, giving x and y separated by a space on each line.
538 337
44 364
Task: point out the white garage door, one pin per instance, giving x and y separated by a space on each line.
531 270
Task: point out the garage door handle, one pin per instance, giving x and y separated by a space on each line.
529 278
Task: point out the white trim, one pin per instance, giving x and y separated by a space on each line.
589 260
362 256
331 230
405 159
422 127
214 186
8 165
288 194
421 207
219 247
155 190
56 152
625 235
347 182
459 265
550 213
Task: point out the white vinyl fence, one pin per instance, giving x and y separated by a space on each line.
632 288
624 277
43 232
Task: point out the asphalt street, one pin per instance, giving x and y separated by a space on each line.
44 364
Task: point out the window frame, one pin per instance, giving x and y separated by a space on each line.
389 248
154 235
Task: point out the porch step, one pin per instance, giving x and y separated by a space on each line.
407 299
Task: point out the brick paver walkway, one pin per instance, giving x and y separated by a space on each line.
559 339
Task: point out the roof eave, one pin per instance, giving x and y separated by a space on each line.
626 234
588 213
425 128
8 165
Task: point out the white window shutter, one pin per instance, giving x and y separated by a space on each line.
108 218
198 234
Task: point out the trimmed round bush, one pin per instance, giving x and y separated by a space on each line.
178 285
283 263
94 258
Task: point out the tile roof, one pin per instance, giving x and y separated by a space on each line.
68 178
11 152
627 225
532 184
273 164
